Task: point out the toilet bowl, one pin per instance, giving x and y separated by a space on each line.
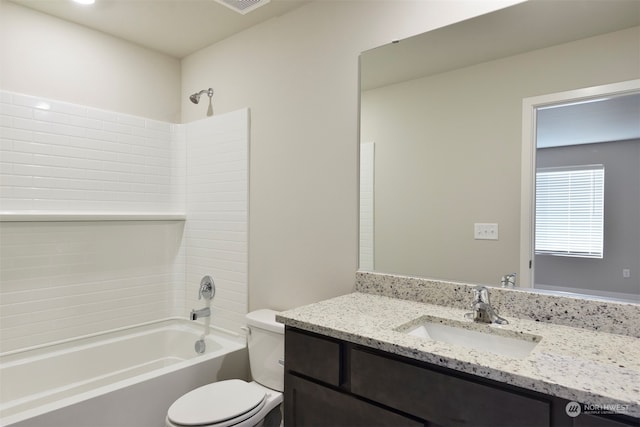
236 402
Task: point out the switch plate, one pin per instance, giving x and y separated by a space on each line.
485 231
626 273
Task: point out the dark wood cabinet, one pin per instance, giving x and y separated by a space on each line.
586 420
314 405
439 397
333 383
314 357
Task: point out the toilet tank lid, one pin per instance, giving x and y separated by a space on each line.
265 319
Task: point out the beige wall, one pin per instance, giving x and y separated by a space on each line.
299 75
47 57
448 152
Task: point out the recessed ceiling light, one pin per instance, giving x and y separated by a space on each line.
85 1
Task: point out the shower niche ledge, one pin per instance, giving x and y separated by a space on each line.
43 216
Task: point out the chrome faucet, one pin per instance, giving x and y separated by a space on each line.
207 288
508 280
207 291
483 312
203 312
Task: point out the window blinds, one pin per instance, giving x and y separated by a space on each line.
570 211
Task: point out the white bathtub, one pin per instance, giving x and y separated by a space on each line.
126 378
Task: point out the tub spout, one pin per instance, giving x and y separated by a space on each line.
203 312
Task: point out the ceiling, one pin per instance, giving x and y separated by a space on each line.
539 24
589 121
174 27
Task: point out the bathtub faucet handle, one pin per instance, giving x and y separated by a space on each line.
207 288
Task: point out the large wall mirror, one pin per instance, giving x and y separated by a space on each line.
441 128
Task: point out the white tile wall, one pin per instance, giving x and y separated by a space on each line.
217 214
64 279
56 156
367 164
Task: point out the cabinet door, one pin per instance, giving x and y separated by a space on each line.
441 398
312 356
310 404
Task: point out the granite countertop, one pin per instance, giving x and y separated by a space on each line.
589 367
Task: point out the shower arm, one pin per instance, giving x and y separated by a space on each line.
195 98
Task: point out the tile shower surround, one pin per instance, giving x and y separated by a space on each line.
58 156
598 315
64 279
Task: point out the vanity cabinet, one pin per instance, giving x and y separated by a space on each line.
586 420
440 397
314 389
320 406
333 383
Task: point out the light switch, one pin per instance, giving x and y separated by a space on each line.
485 231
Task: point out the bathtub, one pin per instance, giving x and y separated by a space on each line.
123 378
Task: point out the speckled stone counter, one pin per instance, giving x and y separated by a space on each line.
583 365
562 309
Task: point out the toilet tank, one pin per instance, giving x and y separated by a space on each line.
265 342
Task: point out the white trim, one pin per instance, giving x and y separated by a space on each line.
64 216
528 158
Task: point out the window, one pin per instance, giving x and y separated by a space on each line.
570 211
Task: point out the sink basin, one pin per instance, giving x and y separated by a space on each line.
485 338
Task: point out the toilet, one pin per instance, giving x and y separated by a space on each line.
236 402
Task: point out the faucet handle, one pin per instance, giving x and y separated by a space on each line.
483 312
508 280
207 288
481 294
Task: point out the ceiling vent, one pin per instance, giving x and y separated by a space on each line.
243 6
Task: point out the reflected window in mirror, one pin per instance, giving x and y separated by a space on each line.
587 196
570 211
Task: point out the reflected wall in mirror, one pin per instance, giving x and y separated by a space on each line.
442 116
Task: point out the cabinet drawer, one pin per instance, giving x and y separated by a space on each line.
586 420
440 398
315 357
310 404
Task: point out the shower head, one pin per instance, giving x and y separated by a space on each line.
195 98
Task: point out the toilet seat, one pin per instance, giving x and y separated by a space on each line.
220 404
